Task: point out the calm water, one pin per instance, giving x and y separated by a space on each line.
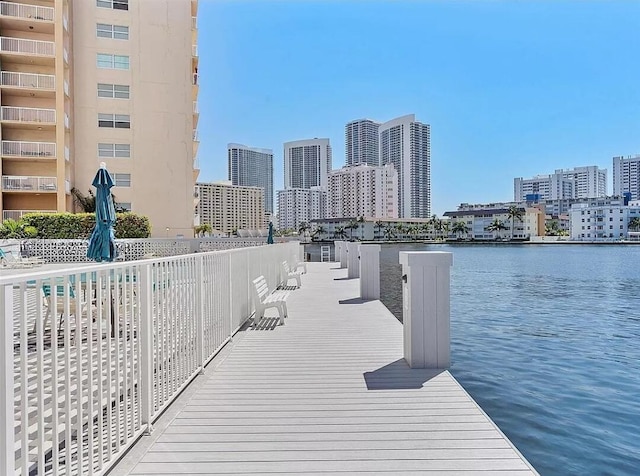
547 340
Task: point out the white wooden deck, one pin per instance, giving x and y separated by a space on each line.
326 393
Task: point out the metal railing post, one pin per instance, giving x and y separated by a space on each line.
7 450
200 294
146 346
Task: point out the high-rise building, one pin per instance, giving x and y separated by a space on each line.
363 191
579 182
112 81
252 167
361 142
228 207
300 205
406 143
307 163
626 176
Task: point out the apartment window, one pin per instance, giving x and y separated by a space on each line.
114 4
116 32
110 151
123 206
122 180
108 61
117 91
118 121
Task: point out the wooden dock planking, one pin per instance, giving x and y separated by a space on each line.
328 393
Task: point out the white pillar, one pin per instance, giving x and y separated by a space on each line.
343 254
337 250
7 439
353 267
426 308
370 271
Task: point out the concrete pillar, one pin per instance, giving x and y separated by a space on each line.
370 271
426 308
353 267
343 254
337 250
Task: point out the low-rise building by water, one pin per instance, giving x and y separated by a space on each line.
604 220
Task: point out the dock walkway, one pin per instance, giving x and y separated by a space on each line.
326 393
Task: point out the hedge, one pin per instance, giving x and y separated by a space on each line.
79 225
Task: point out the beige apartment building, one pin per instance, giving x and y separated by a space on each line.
90 81
228 208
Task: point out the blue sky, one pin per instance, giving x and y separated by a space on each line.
510 89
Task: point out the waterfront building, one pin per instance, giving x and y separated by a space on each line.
307 163
478 219
363 191
406 143
602 221
86 82
626 176
228 208
579 182
300 205
361 142
252 167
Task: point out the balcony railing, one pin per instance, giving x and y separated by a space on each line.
28 114
194 22
28 184
67 121
195 136
66 153
27 12
195 106
194 50
27 47
17 214
12 148
28 80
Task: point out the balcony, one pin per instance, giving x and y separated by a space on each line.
16 183
194 55
28 116
194 30
196 143
43 50
29 84
26 12
196 114
17 214
29 150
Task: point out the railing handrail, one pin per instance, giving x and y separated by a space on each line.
28 108
42 48
46 78
29 12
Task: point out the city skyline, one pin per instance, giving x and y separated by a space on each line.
503 99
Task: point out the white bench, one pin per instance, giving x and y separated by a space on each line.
287 274
264 299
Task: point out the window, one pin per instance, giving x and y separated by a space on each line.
117 91
117 32
119 121
122 180
113 4
108 61
123 206
109 151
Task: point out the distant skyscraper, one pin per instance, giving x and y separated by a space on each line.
589 181
307 163
363 191
229 207
626 176
579 182
406 144
361 142
298 205
252 167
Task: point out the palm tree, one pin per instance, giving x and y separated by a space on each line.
446 227
11 228
88 202
552 228
426 228
413 231
438 226
340 233
460 227
634 224
496 226
353 224
389 232
379 226
303 228
514 213
320 230
360 225
203 229
401 229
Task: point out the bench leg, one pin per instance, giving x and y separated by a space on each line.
297 276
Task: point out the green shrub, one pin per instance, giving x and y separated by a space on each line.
80 225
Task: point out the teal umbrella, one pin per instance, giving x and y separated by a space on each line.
102 244
270 237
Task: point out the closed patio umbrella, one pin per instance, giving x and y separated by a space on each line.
102 245
270 237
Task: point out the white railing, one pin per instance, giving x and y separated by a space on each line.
65 23
28 12
17 214
194 50
194 23
66 153
27 47
66 121
12 183
28 80
79 386
28 114
66 88
195 106
195 136
11 148
65 56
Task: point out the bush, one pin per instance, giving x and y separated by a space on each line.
80 225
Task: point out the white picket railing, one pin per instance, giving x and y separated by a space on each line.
27 47
28 80
27 12
29 184
17 214
28 114
79 386
11 148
